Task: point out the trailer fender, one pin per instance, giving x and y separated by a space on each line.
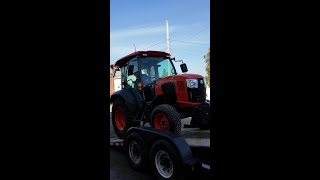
151 135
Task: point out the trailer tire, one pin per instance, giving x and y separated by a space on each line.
165 162
136 151
166 117
122 119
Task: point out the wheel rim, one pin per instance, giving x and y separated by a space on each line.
161 121
119 118
134 152
164 164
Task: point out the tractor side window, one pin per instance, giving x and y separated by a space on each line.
152 73
133 74
124 73
165 69
158 67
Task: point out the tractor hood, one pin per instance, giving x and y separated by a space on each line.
181 92
189 76
178 77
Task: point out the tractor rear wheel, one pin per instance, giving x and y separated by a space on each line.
122 119
165 117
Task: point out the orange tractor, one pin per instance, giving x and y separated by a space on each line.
152 91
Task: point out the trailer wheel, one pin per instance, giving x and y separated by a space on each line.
166 117
122 119
136 151
165 161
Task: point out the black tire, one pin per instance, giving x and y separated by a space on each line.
172 116
128 118
165 162
205 124
136 151
194 121
202 123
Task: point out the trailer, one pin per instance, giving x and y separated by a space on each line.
166 154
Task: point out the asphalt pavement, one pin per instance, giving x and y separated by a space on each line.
121 170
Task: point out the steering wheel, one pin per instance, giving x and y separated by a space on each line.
147 81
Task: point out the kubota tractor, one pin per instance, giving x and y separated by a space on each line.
153 92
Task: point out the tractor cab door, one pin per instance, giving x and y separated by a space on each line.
148 77
131 78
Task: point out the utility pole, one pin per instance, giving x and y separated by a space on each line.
168 39
168 42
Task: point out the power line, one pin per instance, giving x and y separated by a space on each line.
190 42
153 45
188 53
191 50
197 33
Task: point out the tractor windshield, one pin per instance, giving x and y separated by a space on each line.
153 68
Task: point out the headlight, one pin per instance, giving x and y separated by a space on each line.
192 83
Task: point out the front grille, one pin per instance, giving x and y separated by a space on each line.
197 94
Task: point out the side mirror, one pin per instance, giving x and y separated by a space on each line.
183 67
130 70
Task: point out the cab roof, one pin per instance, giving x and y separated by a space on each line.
127 58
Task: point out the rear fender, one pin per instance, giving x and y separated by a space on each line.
127 97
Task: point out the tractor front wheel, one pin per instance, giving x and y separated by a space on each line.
165 117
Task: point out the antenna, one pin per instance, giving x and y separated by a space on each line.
135 50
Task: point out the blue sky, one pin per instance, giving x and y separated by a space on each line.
143 23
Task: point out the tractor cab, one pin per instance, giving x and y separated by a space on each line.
142 69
